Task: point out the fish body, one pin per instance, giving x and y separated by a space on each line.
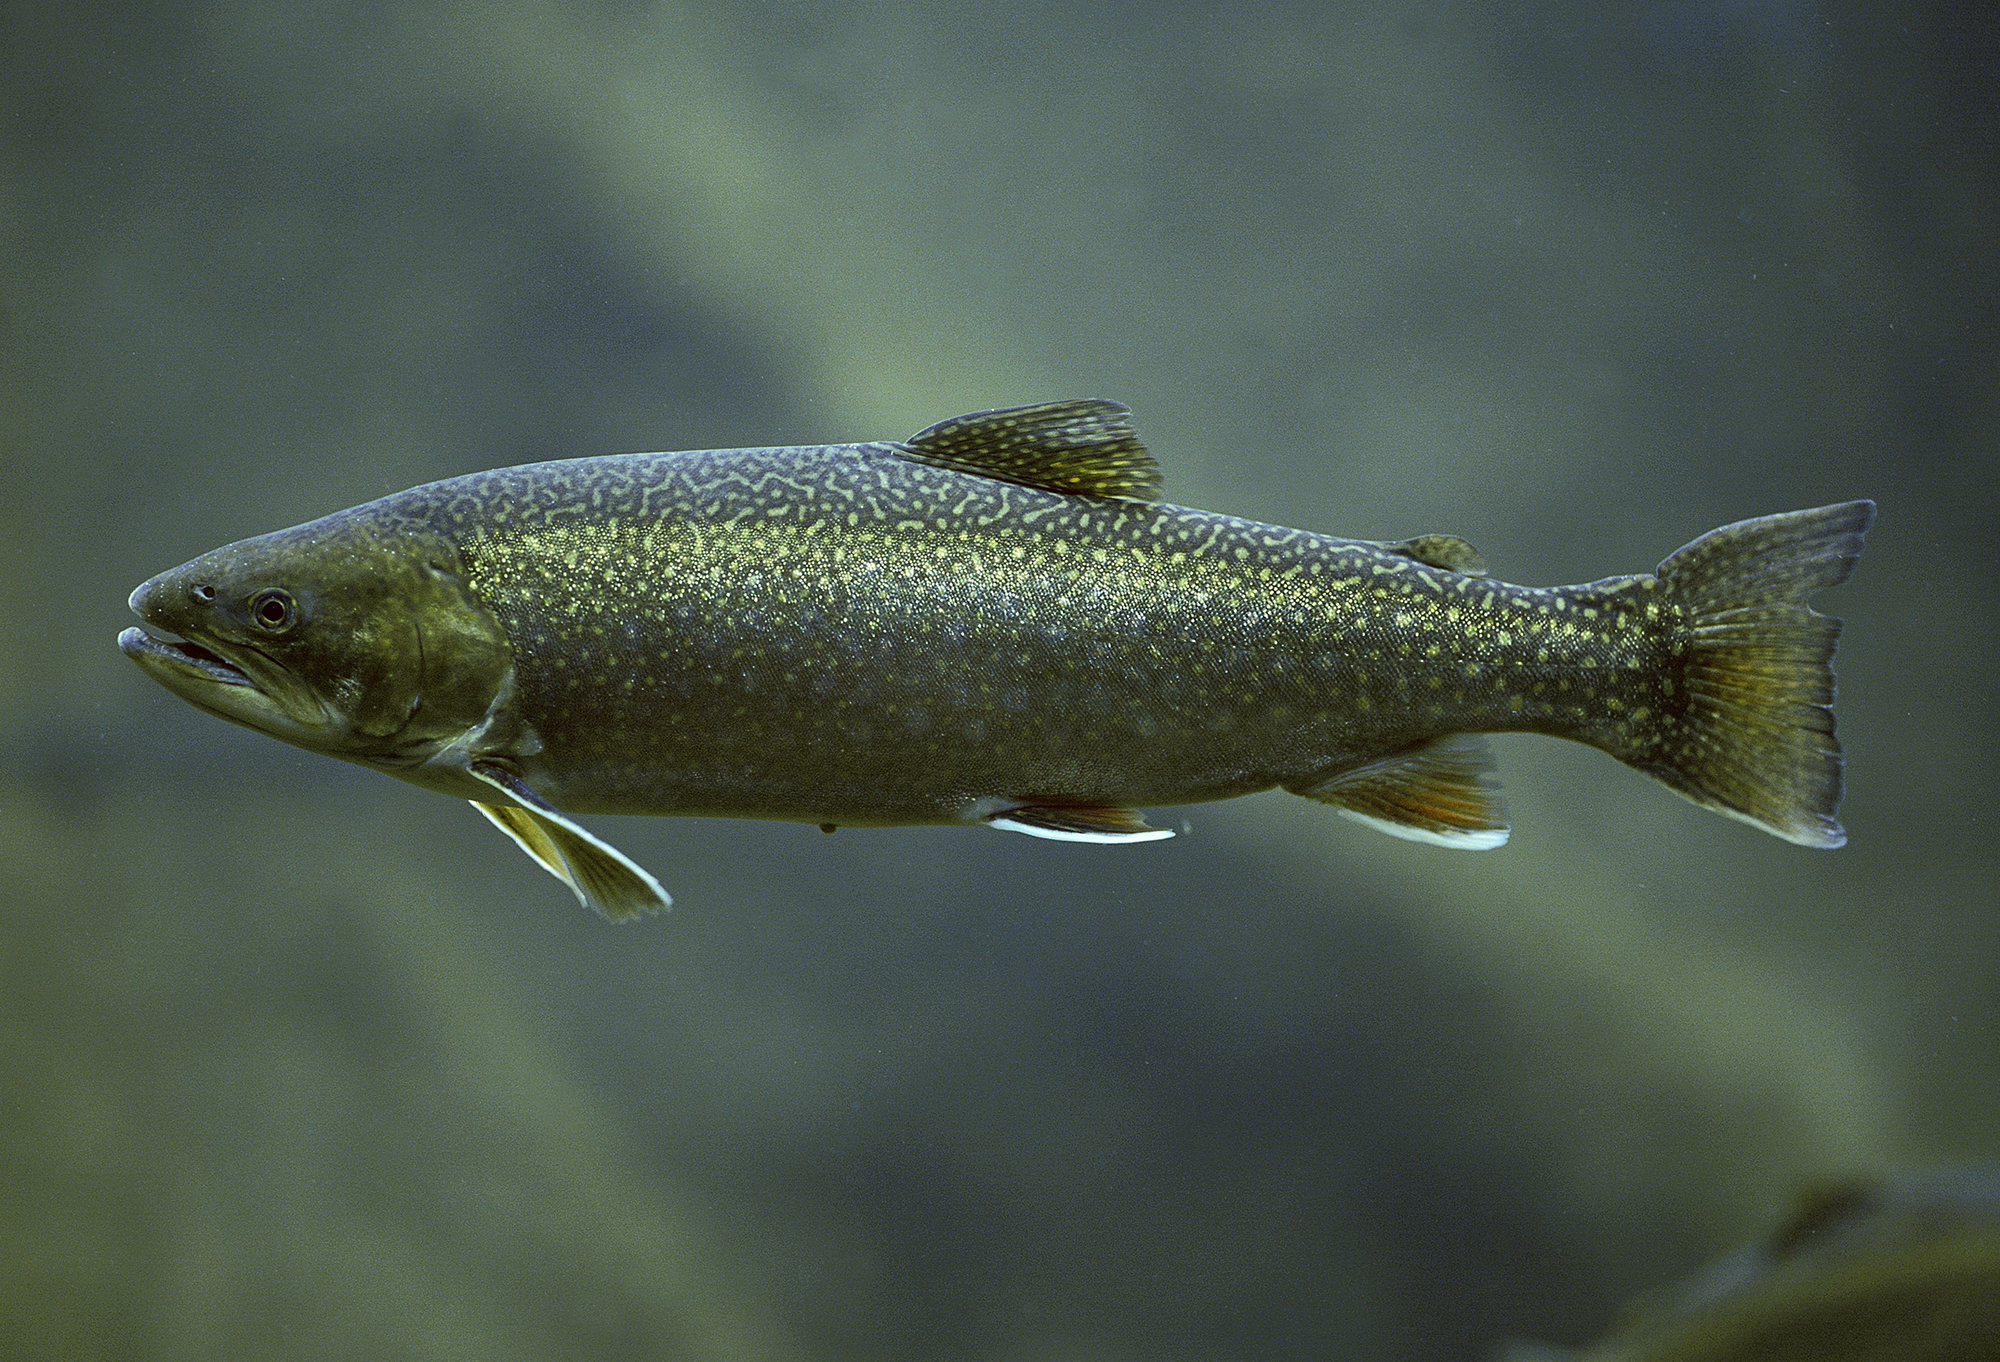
994 621
840 635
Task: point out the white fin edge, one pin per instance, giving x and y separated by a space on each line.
1483 839
617 888
1007 824
602 877
527 835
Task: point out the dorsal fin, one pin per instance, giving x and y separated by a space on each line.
1445 551
1080 448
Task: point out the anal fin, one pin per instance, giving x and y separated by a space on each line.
1440 792
602 877
1079 823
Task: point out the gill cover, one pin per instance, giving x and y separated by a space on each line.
357 636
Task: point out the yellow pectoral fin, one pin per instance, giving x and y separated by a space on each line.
602 877
520 825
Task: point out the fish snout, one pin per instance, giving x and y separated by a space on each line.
173 599
144 598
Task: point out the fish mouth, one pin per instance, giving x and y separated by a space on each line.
228 678
181 655
255 692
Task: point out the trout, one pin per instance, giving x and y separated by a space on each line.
995 621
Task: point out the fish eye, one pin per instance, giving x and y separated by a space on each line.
274 610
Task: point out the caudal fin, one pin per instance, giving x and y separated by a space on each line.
1755 740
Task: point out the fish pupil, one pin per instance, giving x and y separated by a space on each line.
273 610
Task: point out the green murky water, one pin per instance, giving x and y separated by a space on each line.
299 1062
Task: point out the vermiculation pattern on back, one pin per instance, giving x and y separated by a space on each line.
839 633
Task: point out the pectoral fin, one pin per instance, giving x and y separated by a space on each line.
1441 793
1078 823
601 876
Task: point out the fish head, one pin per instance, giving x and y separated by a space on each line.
355 636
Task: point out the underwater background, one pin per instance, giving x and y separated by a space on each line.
296 1061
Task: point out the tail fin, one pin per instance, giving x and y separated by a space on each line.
1756 740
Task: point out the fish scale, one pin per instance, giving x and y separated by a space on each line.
993 621
859 611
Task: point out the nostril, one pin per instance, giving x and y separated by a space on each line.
202 591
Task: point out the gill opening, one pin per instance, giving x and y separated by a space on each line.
416 703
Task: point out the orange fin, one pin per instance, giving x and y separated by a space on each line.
1079 823
1441 793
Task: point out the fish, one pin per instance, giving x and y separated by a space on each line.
1903 1269
998 621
